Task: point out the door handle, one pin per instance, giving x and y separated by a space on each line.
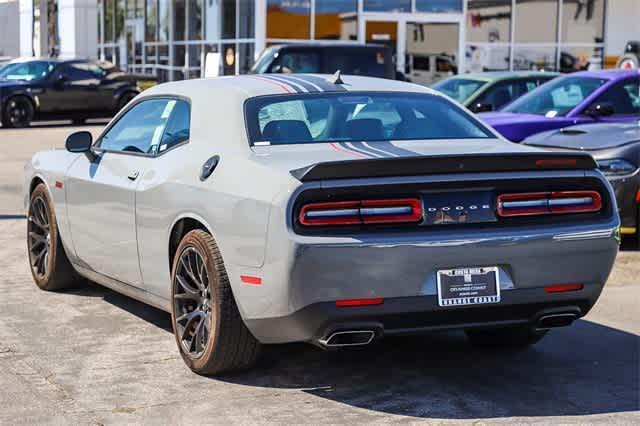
133 175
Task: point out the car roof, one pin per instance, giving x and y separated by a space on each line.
504 75
609 74
330 45
50 60
252 85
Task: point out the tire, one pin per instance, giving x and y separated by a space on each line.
18 112
48 262
124 100
507 337
201 296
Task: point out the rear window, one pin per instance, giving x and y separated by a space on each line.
369 62
361 117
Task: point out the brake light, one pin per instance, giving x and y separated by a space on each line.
359 302
363 212
542 203
562 288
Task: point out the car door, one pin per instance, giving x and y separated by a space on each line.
624 97
73 85
101 191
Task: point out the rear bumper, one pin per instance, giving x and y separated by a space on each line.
419 314
296 301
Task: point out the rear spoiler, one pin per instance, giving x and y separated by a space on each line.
445 164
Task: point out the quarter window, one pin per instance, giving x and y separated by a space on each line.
150 127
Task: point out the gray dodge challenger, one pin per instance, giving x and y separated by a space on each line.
323 209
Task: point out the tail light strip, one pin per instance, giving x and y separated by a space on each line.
542 203
406 210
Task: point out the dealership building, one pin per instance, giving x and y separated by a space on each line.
173 39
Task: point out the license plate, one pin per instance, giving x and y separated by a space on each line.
468 286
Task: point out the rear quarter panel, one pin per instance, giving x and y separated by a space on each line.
50 167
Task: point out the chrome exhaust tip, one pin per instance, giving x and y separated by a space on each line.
556 320
348 338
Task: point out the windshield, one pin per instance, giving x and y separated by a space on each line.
32 70
556 98
459 89
361 117
263 62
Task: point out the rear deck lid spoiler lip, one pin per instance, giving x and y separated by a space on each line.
445 164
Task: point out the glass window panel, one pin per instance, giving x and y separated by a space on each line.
624 97
246 16
163 54
534 58
108 21
178 55
179 17
195 20
439 6
582 21
489 21
245 51
228 18
140 129
119 17
99 23
336 19
150 55
152 20
177 129
287 19
387 5
485 57
163 22
557 97
536 21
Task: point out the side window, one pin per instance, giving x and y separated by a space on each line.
623 96
499 95
140 129
177 129
298 62
79 72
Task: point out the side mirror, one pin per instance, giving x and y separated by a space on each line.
61 80
600 109
79 142
480 107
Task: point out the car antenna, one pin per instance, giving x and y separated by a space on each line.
336 78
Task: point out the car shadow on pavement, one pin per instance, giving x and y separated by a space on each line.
584 369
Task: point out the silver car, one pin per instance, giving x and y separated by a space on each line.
323 209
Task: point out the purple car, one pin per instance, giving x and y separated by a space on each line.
578 98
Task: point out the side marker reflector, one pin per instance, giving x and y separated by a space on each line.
58 184
359 302
248 279
562 288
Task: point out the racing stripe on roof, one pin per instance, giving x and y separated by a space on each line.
390 147
321 83
357 147
297 87
339 147
307 85
283 87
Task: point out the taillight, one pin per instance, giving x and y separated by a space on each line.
362 212
542 203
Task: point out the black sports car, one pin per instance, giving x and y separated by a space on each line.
616 148
44 89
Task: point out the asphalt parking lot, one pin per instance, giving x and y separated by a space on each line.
92 356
